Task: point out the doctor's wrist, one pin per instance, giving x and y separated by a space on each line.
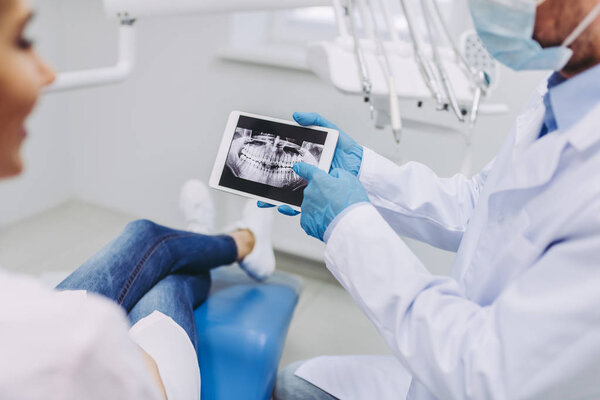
340 217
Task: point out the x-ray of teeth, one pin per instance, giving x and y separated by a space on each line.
268 158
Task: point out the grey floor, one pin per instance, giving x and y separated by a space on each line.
54 243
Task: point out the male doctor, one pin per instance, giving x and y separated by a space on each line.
520 316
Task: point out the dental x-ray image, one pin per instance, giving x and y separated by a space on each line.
268 158
262 155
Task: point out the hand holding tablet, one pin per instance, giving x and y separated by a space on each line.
257 154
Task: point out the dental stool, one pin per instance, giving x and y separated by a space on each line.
242 328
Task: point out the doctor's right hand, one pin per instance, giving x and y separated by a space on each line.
348 153
326 197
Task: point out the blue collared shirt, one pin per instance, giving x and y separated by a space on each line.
569 100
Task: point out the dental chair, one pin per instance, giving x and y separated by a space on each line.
241 329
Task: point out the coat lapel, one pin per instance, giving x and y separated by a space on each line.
587 132
534 161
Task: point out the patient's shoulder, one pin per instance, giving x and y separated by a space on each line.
27 302
66 342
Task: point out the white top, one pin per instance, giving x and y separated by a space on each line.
172 350
74 345
520 316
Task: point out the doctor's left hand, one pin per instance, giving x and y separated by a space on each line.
326 196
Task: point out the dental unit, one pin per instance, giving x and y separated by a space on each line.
426 63
379 64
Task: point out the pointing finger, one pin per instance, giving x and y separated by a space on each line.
306 171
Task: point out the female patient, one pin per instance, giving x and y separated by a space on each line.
72 344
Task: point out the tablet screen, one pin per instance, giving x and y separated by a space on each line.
261 156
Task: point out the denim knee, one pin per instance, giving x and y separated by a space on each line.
143 227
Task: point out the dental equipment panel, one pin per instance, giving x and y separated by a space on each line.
425 65
423 62
257 154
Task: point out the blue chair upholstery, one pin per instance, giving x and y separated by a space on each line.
242 328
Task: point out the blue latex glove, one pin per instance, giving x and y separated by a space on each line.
348 154
326 196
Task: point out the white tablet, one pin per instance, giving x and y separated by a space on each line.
257 154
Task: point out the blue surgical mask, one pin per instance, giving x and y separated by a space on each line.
506 29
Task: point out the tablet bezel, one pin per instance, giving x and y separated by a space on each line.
232 123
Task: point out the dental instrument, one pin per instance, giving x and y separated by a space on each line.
480 81
422 61
476 56
367 23
386 67
437 60
409 54
359 55
340 19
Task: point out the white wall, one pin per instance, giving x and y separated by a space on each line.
133 145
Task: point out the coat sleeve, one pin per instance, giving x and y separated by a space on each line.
417 203
538 340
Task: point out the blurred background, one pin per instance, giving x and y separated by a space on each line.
129 147
99 157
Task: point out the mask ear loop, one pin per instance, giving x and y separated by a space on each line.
587 21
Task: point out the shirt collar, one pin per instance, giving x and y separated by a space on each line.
569 100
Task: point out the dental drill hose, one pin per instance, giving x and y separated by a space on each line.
395 118
423 63
363 71
386 68
478 77
437 59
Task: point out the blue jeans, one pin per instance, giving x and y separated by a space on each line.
289 387
150 267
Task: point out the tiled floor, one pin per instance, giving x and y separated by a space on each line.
326 320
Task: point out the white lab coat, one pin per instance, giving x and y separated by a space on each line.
520 316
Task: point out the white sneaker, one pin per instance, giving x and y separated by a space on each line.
260 263
197 206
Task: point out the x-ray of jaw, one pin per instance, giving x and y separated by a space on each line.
268 158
